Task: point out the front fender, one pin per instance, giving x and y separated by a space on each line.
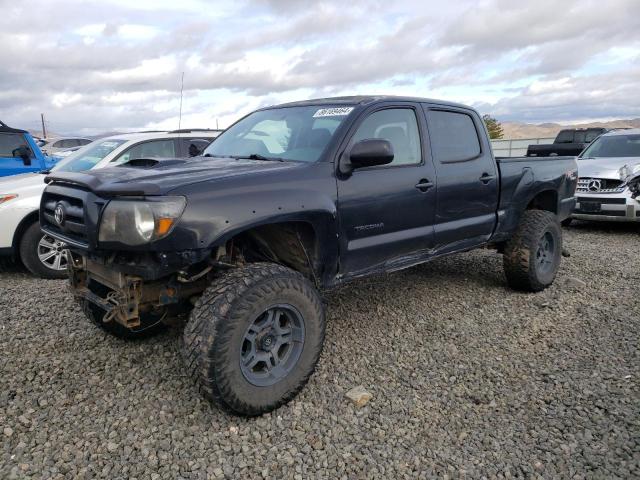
218 211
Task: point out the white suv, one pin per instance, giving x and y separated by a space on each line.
20 234
603 192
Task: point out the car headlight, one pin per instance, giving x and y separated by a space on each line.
136 222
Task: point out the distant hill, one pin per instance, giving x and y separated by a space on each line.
514 130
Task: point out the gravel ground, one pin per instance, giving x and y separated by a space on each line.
469 379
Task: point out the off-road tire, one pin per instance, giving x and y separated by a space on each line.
519 260
28 249
212 339
150 325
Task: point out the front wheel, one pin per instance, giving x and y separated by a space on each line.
532 256
254 338
44 256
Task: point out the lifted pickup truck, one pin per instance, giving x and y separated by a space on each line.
570 141
294 199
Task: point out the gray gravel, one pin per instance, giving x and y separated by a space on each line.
469 379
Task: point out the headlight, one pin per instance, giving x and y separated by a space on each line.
136 222
5 197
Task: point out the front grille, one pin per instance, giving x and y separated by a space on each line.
81 213
73 224
599 185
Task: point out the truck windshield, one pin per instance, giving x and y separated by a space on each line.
290 133
613 146
87 157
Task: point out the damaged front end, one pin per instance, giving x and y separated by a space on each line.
125 298
630 175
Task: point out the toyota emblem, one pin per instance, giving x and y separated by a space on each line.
594 185
59 214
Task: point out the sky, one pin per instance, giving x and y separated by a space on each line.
116 65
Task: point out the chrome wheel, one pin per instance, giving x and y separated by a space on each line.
52 253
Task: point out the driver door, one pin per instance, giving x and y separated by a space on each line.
387 212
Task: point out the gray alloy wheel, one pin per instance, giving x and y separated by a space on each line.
41 254
52 253
272 345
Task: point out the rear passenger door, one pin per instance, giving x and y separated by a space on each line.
467 178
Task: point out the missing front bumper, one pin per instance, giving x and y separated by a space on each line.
124 297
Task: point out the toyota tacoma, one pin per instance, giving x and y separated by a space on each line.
288 201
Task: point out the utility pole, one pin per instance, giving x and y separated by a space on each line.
217 124
181 89
44 129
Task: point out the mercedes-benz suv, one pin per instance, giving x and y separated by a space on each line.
603 192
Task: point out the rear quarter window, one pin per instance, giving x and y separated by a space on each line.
453 135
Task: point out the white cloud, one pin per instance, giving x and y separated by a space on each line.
117 64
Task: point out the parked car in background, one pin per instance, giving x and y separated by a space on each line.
295 198
19 152
66 152
570 141
52 146
20 234
608 175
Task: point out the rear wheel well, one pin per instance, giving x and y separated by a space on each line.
293 244
545 200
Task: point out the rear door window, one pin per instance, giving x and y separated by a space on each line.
453 135
152 149
192 147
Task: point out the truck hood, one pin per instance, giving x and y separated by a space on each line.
605 167
160 176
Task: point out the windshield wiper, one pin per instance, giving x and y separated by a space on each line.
257 156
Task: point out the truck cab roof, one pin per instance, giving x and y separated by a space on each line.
365 100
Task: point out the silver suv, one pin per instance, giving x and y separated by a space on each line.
603 167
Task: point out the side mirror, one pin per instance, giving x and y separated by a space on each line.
23 152
370 153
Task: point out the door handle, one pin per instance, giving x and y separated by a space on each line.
486 178
423 185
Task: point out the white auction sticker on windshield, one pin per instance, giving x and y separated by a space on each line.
333 112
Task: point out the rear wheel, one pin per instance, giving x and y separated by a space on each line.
42 254
532 255
254 338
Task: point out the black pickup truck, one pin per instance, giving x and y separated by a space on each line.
290 200
568 142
